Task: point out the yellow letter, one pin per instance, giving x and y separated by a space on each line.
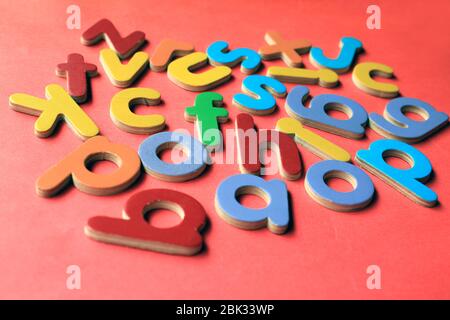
311 141
179 72
123 75
362 78
59 106
128 121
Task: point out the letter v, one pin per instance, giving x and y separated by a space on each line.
123 75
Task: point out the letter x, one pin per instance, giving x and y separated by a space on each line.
288 50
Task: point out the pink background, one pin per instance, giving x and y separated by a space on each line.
325 254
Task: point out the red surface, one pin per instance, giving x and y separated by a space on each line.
326 253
